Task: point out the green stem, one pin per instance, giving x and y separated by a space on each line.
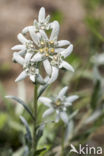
62 143
35 121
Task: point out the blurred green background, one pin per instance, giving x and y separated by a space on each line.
82 23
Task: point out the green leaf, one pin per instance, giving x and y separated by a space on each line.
40 151
28 136
3 119
39 131
99 122
22 103
96 95
41 90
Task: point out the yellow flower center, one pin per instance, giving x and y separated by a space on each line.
47 47
58 102
42 43
51 42
41 50
47 54
52 50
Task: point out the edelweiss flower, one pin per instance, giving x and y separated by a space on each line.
42 23
26 47
29 69
58 105
57 63
48 48
40 48
49 51
39 44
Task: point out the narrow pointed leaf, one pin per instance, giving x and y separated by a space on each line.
96 96
28 136
22 103
39 131
42 89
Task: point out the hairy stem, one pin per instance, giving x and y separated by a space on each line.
62 143
35 121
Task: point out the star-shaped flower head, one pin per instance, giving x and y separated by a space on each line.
51 51
26 47
38 44
40 48
46 47
29 69
58 105
57 62
41 24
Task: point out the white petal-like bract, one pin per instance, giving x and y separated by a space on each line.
64 117
22 52
18 59
47 66
28 57
72 98
18 47
32 77
67 66
59 50
47 19
44 35
62 43
54 75
41 16
26 29
22 76
55 31
67 51
45 101
37 57
34 36
21 38
67 104
48 112
62 92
